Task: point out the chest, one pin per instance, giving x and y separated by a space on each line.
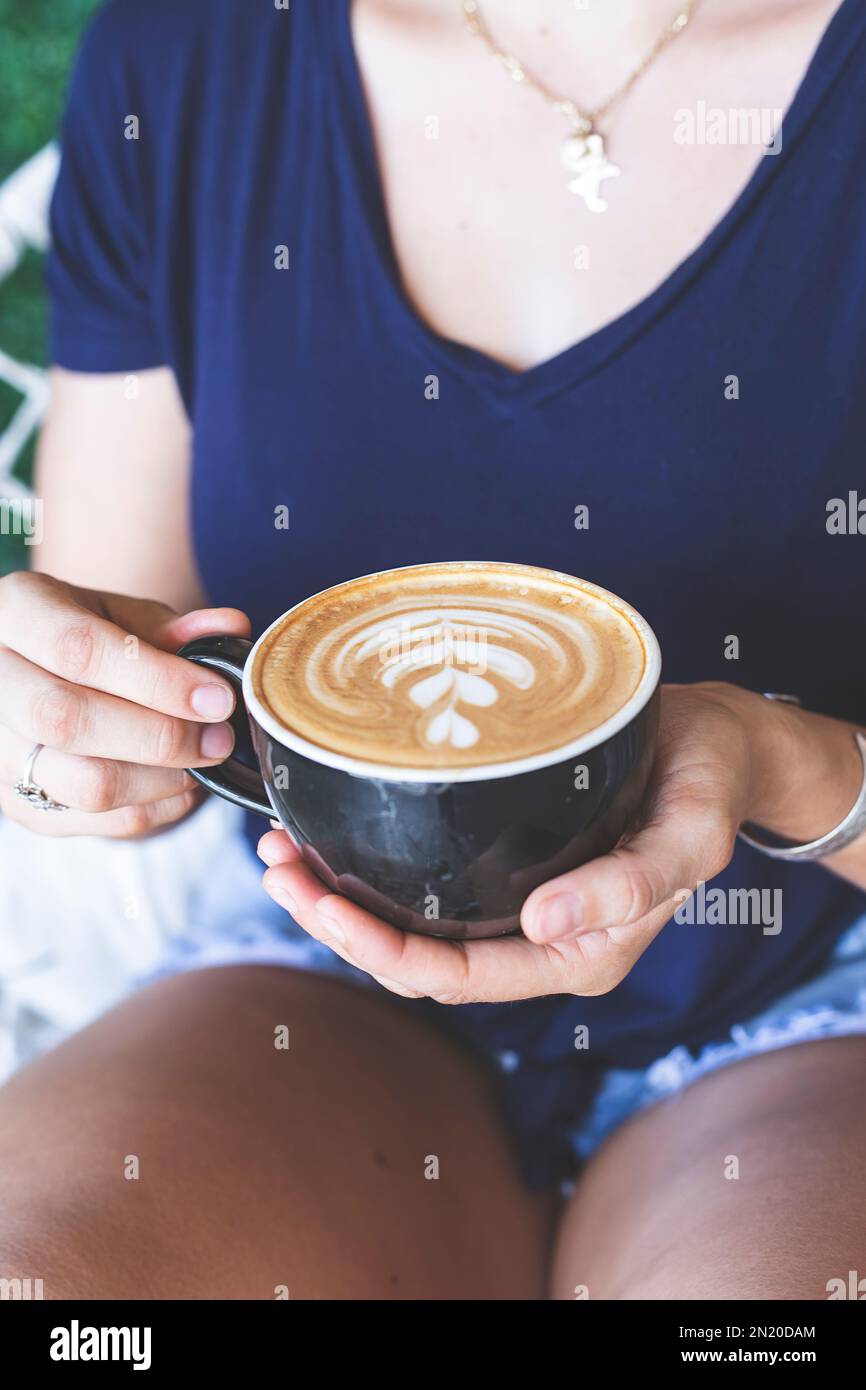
493 247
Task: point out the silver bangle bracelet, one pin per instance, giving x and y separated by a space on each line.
843 834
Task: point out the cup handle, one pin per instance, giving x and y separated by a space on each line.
232 780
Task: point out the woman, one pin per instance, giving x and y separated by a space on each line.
330 259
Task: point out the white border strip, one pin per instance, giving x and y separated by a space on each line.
486 772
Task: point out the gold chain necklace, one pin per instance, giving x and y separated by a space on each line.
582 151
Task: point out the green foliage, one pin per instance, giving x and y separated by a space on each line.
37 44
39 38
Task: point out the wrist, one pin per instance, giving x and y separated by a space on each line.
774 744
805 769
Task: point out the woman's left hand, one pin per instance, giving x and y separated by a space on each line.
583 931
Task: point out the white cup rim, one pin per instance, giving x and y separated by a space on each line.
484 772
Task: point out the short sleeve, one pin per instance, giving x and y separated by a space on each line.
99 266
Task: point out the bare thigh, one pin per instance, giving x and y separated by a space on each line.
174 1150
750 1184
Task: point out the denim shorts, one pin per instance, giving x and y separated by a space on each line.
830 1005
234 922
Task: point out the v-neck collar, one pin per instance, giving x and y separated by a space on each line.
588 355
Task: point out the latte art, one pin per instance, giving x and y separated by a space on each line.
450 665
457 646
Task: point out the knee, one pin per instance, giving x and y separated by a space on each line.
64 1240
44 1259
726 1261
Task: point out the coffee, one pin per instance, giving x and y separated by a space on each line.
416 733
450 665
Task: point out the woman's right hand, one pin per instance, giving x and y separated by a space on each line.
92 676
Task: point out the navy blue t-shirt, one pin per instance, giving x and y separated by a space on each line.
307 388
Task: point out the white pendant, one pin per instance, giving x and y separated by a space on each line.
584 156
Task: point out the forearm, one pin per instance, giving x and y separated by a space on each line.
113 476
806 774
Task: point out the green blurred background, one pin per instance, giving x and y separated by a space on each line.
37 44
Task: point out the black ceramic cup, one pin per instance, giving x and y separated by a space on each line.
446 854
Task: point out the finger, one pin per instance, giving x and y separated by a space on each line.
689 840
128 823
66 638
90 784
451 972
365 940
168 630
595 962
524 880
40 708
276 848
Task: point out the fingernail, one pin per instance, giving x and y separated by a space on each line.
212 701
560 916
217 741
329 917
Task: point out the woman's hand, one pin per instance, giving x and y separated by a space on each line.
91 676
583 932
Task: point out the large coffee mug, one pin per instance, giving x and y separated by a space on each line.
453 856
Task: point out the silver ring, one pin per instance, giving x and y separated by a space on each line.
31 792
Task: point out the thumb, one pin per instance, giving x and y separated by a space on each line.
166 629
668 856
201 622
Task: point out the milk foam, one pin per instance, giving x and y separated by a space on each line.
450 665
